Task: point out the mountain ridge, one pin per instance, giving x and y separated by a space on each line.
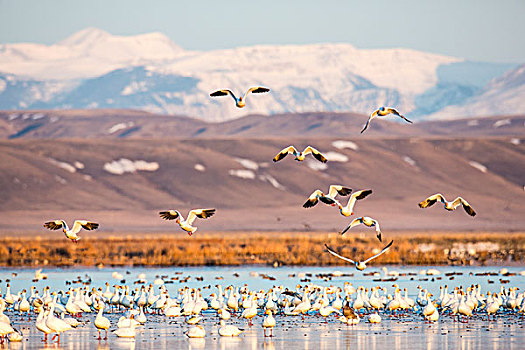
150 72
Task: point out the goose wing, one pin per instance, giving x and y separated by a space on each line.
170 214
372 116
354 222
318 155
292 294
224 93
199 213
361 194
431 200
395 112
338 190
380 253
284 153
313 199
331 251
378 230
55 225
256 90
88 225
468 208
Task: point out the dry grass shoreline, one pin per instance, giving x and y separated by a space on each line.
240 248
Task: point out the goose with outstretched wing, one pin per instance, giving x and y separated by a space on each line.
71 233
446 204
329 198
300 156
360 265
186 224
367 221
240 101
381 112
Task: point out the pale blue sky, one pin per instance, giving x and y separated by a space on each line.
482 30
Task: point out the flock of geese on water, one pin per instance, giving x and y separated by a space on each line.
62 311
348 303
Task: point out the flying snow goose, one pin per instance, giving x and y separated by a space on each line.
367 221
241 101
383 111
360 265
446 204
186 225
319 195
300 156
348 210
71 233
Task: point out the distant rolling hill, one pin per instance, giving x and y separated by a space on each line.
109 123
123 182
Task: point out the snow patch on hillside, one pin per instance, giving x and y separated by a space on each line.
120 126
242 173
409 160
336 157
199 167
478 166
502 122
63 165
342 144
123 165
316 165
271 180
247 163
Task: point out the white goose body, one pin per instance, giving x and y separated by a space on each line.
240 102
72 233
186 224
448 205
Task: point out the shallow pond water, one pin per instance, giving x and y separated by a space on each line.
291 332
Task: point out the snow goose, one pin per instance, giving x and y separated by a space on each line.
71 233
5 331
300 156
224 314
348 209
16 336
55 324
24 305
240 102
69 320
186 225
268 322
196 332
326 310
381 112
41 324
446 204
374 318
367 221
101 322
329 198
228 330
360 265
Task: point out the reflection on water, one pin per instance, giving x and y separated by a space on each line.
293 333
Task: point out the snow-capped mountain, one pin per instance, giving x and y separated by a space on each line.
502 96
94 69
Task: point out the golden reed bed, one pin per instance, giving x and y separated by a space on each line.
234 248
